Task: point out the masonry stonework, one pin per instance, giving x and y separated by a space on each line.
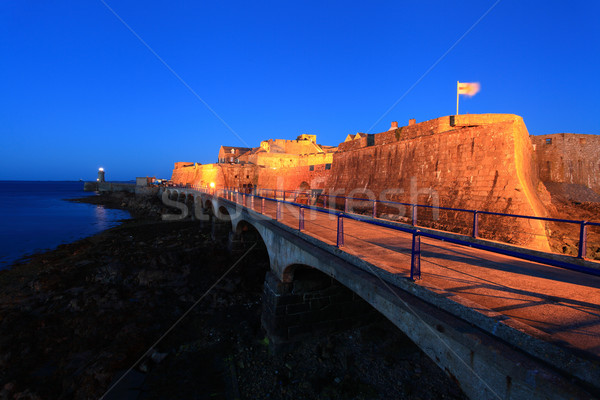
569 158
482 162
479 162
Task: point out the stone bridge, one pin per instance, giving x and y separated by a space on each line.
502 327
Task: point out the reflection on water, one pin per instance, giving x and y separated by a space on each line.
101 221
34 217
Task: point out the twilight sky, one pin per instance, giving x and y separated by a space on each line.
81 90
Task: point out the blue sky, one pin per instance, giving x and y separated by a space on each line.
80 90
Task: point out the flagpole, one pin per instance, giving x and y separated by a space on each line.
457 83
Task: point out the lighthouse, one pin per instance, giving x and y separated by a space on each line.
100 175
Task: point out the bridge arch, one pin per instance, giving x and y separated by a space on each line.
464 348
244 236
299 274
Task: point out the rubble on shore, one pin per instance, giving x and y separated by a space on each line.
73 320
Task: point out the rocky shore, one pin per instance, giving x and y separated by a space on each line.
75 319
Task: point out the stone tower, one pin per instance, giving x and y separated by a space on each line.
100 175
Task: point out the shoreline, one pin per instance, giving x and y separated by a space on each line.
26 255
74 318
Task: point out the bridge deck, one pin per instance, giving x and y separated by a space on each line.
558 302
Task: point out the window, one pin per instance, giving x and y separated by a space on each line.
548 141
312 168
327 166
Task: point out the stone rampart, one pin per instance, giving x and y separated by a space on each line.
303 177
222 175
479 162
276 170
569 158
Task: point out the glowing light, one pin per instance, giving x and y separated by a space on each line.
100 169
212 185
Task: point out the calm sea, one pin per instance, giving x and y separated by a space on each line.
34 217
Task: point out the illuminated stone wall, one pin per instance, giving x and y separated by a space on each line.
309 170
480 162
569 158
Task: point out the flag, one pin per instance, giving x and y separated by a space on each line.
470 89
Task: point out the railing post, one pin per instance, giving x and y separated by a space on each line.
475 224
582 240
414 215
252 201
340 231
278 215
345 204
262 206
415 259
325 201
374 208
301 219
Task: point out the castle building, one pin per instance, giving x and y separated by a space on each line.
276 163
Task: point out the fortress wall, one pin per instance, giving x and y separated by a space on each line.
183 173
483 167
426 128
315 159
223 175
353 144
280 173
300 147
284 160
277 160
294 178
569 158
183 164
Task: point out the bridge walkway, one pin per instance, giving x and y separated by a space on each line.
561 305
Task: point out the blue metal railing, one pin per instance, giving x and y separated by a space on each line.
415 272
414 207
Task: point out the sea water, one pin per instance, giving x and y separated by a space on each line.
35 217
